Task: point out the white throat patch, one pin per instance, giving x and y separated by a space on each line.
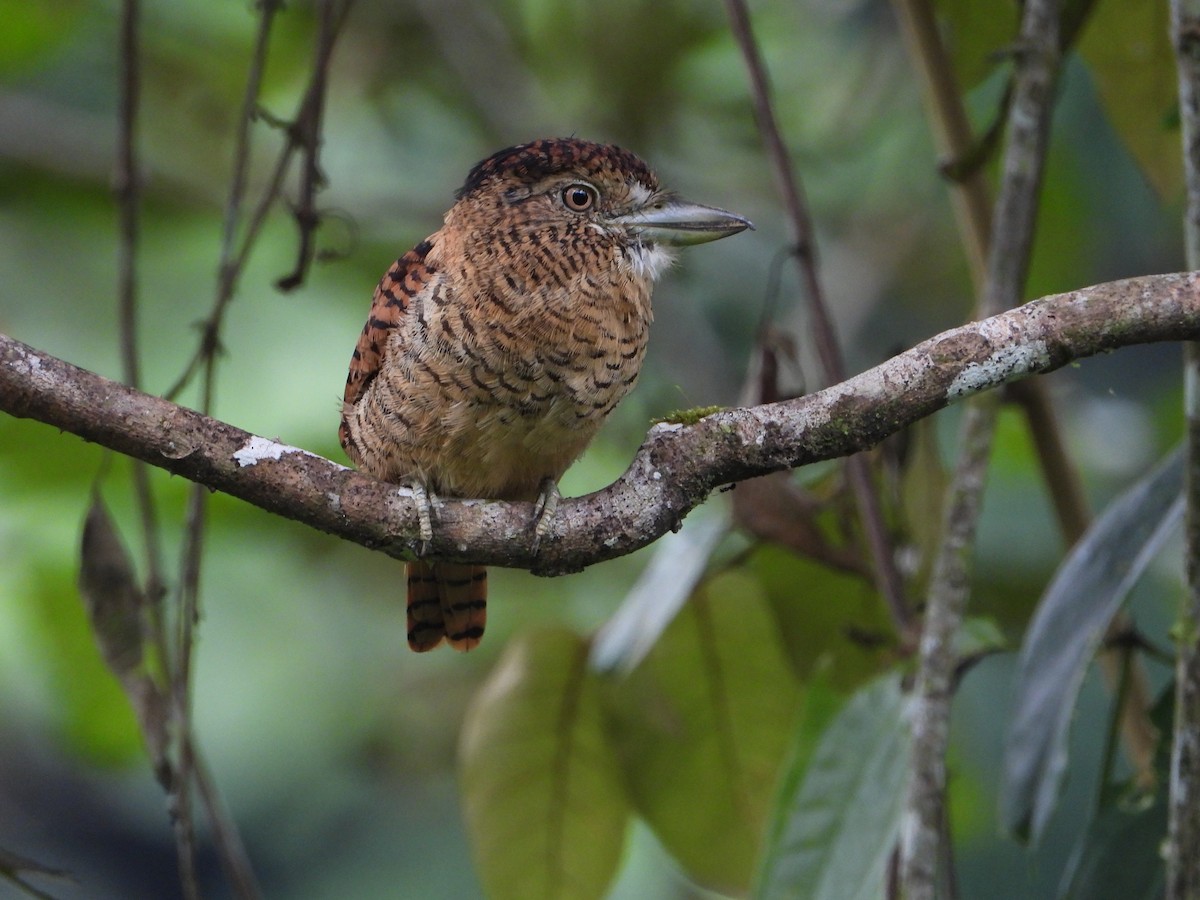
649 260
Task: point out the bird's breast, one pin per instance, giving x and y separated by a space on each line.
493 392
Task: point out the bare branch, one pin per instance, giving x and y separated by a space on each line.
305 132
127 189
1182 847
858 471
673 472
1009 251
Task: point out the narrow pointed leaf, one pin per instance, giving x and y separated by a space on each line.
116 607
842 821
1066 629
821 705
545 806
110 591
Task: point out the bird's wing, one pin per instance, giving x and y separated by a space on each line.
408 275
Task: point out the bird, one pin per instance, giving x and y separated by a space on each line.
496 347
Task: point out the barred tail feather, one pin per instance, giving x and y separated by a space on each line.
446 600
425 626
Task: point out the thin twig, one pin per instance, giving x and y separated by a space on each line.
210 344
230 849
305 132
858 471
1009 252
189 581
234 264
267 10
128 192
127 187
947 113
1183 817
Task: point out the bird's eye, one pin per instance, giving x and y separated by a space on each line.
579 197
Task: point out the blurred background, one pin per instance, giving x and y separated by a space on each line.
334 745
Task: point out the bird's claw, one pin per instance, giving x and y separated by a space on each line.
544 509
424 499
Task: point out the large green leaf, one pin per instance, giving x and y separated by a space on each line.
840 824
825 618
1128 50
1070 621
545 806
703 725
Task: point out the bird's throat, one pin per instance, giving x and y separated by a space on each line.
649 260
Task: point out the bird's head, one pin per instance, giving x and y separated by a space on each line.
587 197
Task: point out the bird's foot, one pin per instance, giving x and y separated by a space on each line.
544 509
425 501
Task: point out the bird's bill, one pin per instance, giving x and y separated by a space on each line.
672 220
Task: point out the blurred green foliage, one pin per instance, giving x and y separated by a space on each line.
334 746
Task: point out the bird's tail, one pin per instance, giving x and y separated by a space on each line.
446 600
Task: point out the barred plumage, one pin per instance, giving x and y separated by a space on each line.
495 348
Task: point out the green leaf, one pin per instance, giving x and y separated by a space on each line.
1069 624
843 819
544 802
1118 855
1128 50
703 726
670 577
821 706
34 31
824 617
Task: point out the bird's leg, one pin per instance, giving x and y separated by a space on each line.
425 501
544 509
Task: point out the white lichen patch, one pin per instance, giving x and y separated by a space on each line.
1004 364
665 427
258 449
27 364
